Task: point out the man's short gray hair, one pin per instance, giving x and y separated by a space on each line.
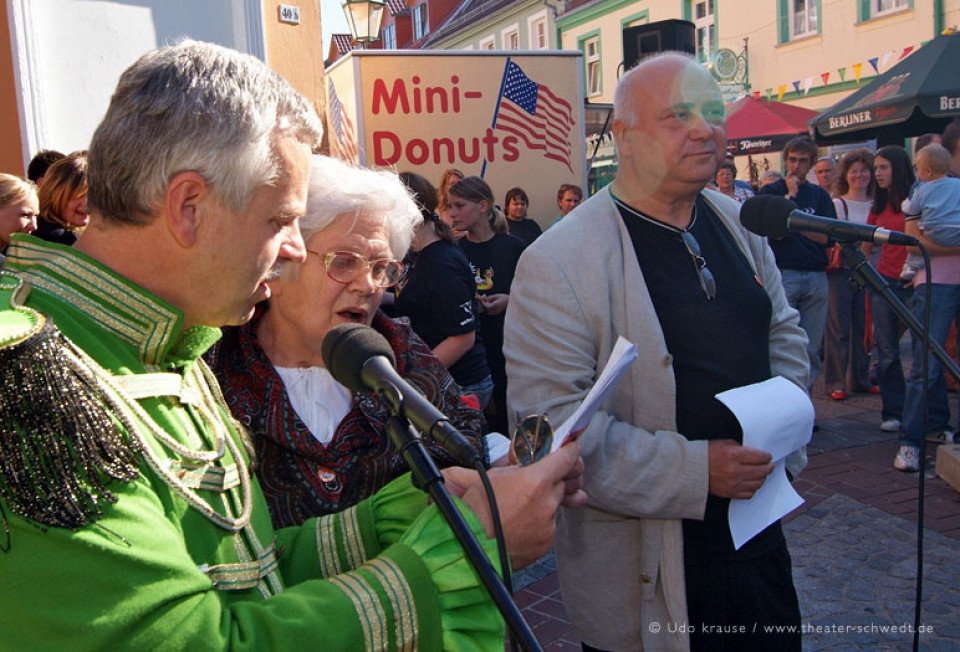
340 190
199 107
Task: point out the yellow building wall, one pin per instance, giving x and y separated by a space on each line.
841 43
296 51
11 160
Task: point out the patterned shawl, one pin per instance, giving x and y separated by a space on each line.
302 477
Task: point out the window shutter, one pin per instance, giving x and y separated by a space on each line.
783 22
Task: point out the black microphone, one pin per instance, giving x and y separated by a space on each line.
776 217
361 359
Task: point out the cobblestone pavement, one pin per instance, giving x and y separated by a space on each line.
853 544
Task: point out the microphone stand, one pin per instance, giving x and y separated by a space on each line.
429 478
865 274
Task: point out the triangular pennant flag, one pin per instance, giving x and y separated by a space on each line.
780 91
796 87
886 58
857 69
769 95
825 77
756 95
873 62
807 83
843 74
906 51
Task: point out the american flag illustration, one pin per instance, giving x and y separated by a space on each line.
346 145
532 112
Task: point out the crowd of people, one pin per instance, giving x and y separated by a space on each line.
178 463
854 335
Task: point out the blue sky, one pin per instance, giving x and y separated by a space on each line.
332 21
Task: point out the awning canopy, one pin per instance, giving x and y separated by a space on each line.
756 126
918 95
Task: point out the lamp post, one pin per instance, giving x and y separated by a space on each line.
364 17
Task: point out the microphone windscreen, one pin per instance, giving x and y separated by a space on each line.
346 348
767 215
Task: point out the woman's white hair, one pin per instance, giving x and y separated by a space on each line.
340 190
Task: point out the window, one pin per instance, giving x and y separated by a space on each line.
488 43
880 7
870 9
511 38
421 24
390 37
591 58
705 23
538 31
803 18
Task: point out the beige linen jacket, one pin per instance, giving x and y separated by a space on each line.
577 288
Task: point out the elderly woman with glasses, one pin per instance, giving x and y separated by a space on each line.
320 448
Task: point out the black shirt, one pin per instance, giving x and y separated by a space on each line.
52 232
716 345
494 263
437 294
525 229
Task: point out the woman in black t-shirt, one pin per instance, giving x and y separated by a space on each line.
437 292
493 256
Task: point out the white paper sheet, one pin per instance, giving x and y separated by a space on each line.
622 356
775 416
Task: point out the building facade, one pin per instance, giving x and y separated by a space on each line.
62 58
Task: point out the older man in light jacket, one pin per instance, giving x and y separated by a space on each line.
664 263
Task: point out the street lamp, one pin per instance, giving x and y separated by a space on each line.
364 17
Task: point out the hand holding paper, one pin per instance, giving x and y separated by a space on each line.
776 416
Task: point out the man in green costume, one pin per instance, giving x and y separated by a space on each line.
130 518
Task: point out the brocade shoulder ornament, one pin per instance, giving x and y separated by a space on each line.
60 445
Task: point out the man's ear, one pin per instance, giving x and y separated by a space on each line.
186 200
617 128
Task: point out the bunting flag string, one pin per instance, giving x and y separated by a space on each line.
877 63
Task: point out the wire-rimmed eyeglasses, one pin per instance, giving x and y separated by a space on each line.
707 282
346 267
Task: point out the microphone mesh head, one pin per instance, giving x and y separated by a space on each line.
767 215
346 348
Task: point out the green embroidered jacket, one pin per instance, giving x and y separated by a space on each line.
154 572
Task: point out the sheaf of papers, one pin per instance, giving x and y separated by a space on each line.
622 356
775 416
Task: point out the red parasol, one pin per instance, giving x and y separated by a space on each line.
755 126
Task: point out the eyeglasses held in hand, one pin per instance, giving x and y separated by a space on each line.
532 439
346 267
707 282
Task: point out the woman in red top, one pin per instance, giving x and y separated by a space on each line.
894 176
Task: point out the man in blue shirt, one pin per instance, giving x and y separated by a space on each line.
802 257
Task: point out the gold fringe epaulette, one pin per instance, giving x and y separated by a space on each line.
59 445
